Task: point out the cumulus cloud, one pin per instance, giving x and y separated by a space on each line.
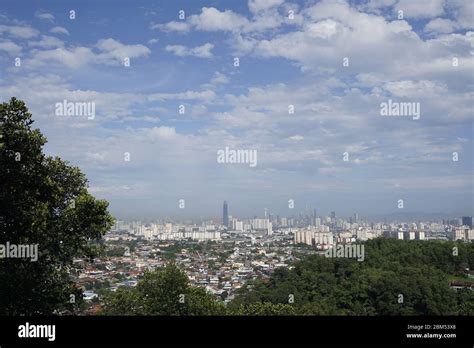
420 8
162 132
114 50
219 78
463 12
10 47
47 41
440 25
17 31
259 5
212 19
44 16
337 108
333 31
106 51
203 51
59 30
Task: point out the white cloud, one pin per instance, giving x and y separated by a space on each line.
440 25
414 89
10 47
324 29
259 5
188 95
44 16
219 78
21 32
107 51
463 11
162 132
172 26
47 42
211 19
70 57
334 30
420 8
42 92
336 109
376 5
203 51
59 30
115 50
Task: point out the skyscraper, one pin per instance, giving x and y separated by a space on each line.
225 215
467 221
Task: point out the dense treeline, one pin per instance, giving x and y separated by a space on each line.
396 278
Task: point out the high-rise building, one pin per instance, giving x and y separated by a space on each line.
467 221
225 215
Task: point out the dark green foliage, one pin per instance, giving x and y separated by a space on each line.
36 192
417 270
163 292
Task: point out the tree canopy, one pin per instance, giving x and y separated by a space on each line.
43 201
163 292
396 278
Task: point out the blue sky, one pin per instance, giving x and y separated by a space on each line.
283 61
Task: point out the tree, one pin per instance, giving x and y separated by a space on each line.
163 292
43 201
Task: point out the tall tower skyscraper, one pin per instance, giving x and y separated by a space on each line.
225 215
467 220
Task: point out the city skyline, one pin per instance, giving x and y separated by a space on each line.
342 105
308 211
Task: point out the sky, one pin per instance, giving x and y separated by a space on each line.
332 62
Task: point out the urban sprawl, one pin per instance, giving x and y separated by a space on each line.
221 256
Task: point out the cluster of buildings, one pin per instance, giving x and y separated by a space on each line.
308 228
222 256
169 231
325 235
221 267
